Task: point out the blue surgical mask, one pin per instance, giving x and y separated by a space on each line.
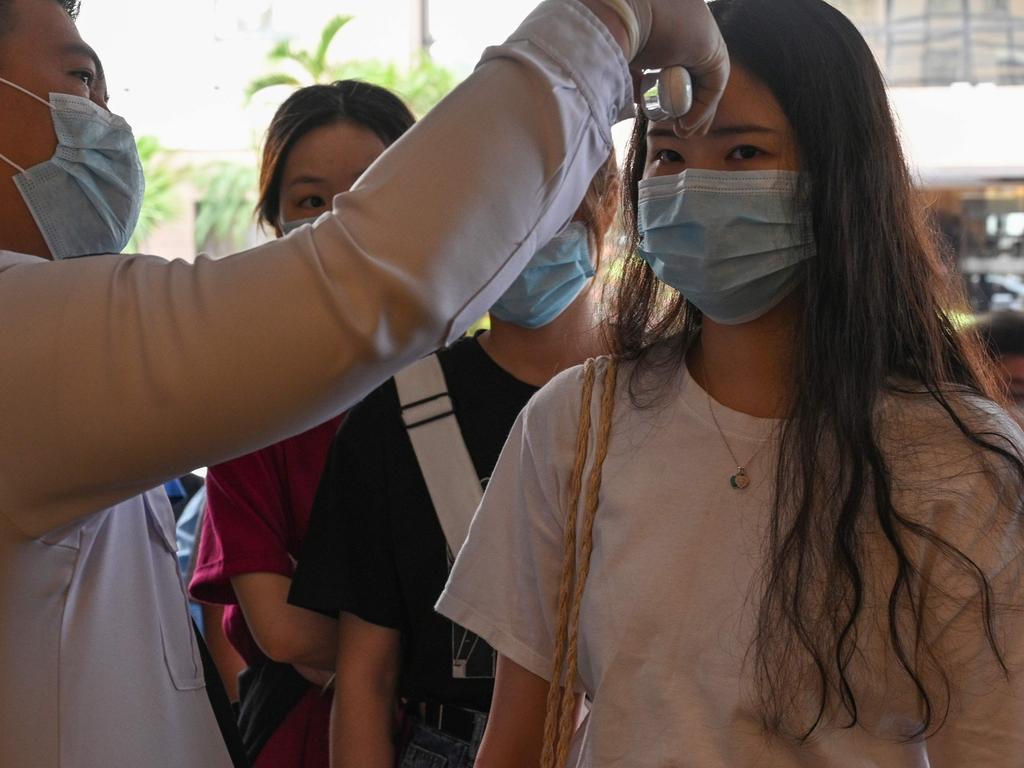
551 281
86 199
287 227
730 242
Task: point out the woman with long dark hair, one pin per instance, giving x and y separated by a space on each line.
258 506
781 525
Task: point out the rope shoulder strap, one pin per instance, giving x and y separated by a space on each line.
444 460
558 723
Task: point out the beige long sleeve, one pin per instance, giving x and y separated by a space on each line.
120 372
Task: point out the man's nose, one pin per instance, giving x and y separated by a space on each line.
99 94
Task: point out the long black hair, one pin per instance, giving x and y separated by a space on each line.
368 106
878 304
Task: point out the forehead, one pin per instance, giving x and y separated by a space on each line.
42 46
44 24
746 101
336 144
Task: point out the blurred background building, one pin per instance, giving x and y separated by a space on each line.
956 74
200 79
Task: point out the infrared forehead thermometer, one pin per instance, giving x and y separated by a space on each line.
666 94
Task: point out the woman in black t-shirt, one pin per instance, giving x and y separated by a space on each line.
376 553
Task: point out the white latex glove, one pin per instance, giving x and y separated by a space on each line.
679 33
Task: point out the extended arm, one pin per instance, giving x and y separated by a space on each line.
365 695
122 371
119 372
285 633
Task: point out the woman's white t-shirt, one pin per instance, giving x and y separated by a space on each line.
670 605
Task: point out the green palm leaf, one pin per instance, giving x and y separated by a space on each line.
160 203
225 209
281 52
330 31
270 81
422 85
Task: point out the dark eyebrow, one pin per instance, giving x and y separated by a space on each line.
306 180
666 132
81 49
721 130
735 130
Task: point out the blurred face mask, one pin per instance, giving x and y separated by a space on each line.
86 199
730 242
552 280
287 227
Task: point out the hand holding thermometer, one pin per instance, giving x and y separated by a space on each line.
666 94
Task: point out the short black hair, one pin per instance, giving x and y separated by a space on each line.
7 13
1002 332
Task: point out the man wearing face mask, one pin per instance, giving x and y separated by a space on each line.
101 396
406 473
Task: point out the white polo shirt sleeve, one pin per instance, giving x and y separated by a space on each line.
120 372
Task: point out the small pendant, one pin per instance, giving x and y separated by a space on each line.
740 481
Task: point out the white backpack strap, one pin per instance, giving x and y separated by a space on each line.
440 448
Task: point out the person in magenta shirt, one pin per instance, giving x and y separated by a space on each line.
319 142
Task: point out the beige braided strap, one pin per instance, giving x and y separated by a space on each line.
558 723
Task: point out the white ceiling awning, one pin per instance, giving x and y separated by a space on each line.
978 176
962 135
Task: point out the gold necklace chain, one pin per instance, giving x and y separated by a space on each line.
740 481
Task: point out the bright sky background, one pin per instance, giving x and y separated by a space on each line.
178 70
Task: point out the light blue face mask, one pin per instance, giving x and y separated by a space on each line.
86 199
730 242
287 227
552 280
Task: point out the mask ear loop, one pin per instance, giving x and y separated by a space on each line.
12 163
28 93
